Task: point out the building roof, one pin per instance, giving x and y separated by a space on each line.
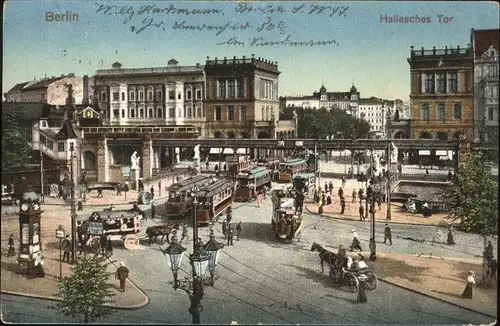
66 131
42 83
299 98
483 39
18 87
353 89
25 110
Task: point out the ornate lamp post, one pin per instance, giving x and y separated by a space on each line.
201 258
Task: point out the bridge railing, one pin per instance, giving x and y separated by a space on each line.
428 177
130 129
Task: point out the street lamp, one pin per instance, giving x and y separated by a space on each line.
201 258
73 214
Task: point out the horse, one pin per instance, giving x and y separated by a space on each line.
324 255
164 230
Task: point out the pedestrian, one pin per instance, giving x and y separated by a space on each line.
379 202
207 165
469 287
362 298
320 208
361 212
153 210
159 188
229 215
152 191
387 234
323 198
340 192
259 198
140 184
264 192
79 206
122 275
66 247
184 231
360 194
451 240
109 246
354 195
224 228
239 229
328 200
11 251
316 196
342 205
330 186
103 241
326 187
343 181
119 189
230 235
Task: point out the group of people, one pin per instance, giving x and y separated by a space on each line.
229 231
326 196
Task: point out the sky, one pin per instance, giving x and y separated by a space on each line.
350 40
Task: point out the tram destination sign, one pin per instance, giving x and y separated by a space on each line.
95 228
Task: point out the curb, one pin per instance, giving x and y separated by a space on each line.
436 298
355 220
137 306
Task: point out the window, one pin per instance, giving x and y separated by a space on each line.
171 112
116 113
452 82
218 113
230 88
123 96
103 95
179 96
150 95
43 124
159 94
198 94
457 111
441 82
141 113
171 95
160 112
491 113
150 113
188 95
199 112
429 83
440 111
132 112
424 111
230 112
243 113
61 146
49 144
222 88
123 113
190 112
141 96
131 95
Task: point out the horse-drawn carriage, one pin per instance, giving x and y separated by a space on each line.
346 272
123 225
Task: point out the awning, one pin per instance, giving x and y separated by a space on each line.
424 152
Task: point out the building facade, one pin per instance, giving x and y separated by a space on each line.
486 47
52 90
441 94
242 99
346 101
375 111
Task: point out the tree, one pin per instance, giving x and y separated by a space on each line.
15 148
86 292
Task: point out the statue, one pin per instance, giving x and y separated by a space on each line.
134 160
196 152
394 154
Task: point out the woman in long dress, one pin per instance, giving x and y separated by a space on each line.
467 294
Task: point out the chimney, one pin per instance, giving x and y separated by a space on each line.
446 50
85 99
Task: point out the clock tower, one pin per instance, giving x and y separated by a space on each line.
30 246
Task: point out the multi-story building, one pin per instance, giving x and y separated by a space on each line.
486 47
52 90
375 111
347 101
441 94
242 99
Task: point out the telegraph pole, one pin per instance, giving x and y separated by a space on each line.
388 197
41 172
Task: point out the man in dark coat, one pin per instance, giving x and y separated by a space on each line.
342 205
109 246
353 195
119 189
361 212
104 242
330 187
326 187
122 275
387 234
66 247
11 251
360 194
341 192
316 196
230 235
229 216
239 229
152 191
323 198
362 297
184 231
224 228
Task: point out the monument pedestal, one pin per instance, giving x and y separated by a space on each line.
135 175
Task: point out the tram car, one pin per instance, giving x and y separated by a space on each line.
238 164
248 184
123 225
271 164
180 201
286 221
304 182
290 167
214 199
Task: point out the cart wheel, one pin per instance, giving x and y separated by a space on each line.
352 282
371 281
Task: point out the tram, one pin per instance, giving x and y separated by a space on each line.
238 164
272 164
250 183
218 157
286 220
214 199
123 225
180 201
290 167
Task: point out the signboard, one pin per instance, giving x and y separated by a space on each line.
95 228
36 232
424 152
126 171
60 234
441 153
25 236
